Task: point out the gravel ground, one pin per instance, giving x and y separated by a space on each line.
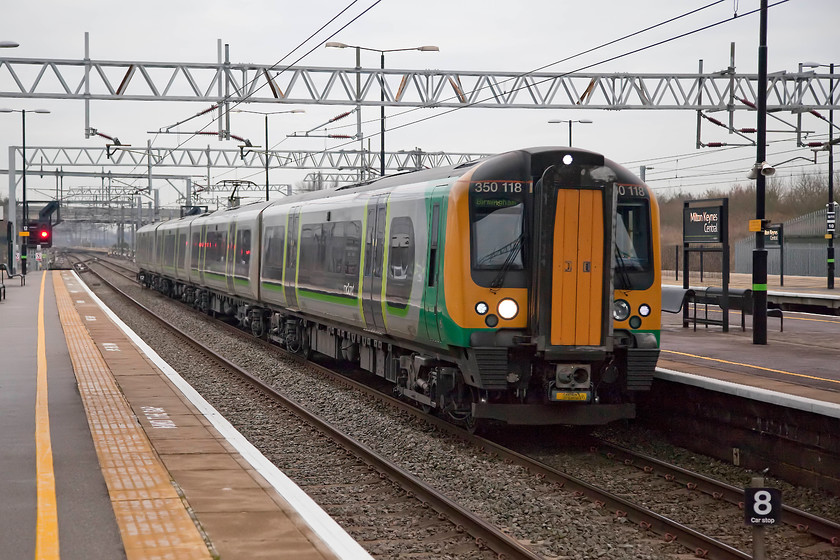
554 522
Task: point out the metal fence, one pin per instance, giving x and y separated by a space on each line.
805 248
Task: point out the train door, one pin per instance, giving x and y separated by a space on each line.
573 238
202 255
374 256
577 279
230 255
291 260
434 258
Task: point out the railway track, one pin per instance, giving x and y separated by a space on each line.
384 479
802 521
667 529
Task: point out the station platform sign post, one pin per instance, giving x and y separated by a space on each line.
774 237
762 508
706 230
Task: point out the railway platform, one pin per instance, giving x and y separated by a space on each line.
798 366
108 454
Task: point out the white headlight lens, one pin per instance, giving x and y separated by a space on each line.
508 308
621 310
481 308
644 310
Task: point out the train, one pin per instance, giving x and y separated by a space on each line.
523 288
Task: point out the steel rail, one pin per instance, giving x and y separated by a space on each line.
802 521
668 529
646 519
486 534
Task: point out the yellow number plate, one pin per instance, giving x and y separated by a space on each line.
577 397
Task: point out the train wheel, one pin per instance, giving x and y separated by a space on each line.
475 426
305 349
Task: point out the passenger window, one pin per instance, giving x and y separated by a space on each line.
243 252
400 262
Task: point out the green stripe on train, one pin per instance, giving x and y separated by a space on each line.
340 299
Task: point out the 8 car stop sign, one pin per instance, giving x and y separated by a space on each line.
762 506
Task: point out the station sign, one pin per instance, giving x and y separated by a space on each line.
773 236
703 224
762 506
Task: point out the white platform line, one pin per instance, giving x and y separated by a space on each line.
755 393
330 532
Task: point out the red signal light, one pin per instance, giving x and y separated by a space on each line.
44 234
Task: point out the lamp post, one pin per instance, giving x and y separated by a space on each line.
830 147
337 45
25 224
759 256
582 121
265 114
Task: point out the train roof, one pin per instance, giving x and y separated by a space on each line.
406 178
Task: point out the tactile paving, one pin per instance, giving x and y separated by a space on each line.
153 518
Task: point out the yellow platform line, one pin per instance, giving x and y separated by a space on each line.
762 368
153 520
46 532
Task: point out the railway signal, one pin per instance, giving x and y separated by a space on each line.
40 233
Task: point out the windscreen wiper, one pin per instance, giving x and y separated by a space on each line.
515 248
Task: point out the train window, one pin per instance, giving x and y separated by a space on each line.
275 240
633 248
215 251
182 249
352 248
313 251
400 262
343 245
169 249
497 234
243 252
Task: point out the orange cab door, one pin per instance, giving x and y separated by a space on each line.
577 278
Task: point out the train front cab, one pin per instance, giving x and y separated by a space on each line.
538 302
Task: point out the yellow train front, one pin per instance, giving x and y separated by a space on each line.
551 285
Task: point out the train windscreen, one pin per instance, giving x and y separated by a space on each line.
497 233
633 247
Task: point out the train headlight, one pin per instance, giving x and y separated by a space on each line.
508 308
621 310
644 310
481 308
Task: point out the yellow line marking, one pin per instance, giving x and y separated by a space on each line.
46 535
815 320
789 317
151 516
751 366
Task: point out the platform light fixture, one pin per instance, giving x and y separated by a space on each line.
338 45
581 121
266 114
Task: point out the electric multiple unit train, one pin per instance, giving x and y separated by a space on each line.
522 288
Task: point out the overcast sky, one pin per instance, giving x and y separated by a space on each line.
471 34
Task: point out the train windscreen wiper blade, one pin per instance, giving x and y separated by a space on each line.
515 248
